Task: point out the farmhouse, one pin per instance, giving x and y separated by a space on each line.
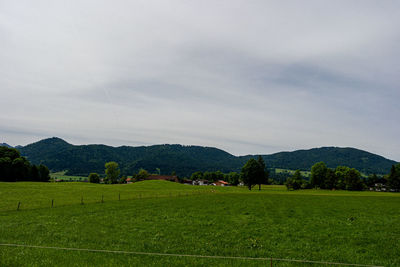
200 182
221 183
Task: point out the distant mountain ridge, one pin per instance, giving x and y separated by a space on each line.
59 155
6 145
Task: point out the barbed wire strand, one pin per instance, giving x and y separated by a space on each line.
188 255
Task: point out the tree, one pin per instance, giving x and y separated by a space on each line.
296 181
251 172
393 179
13 167
112 172
123 179
233 178
262 177
330 181
340 173
318 172
94 178
142 175
196 176
44 173
353 180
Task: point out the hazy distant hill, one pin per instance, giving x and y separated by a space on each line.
59 155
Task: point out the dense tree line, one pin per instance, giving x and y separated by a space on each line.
344 178
15 168
252 173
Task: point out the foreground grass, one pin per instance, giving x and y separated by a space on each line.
351 227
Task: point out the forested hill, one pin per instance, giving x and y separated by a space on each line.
6 145
363 161
59 155
80 160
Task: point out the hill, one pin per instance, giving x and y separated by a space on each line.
6 145
59 155
363 161
80 160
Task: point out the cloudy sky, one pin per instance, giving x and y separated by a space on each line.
244 76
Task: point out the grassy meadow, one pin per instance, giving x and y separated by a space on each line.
165 217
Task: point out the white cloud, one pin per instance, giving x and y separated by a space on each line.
248 77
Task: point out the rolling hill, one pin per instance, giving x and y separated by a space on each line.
59 155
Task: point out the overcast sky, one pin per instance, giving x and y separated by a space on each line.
245 76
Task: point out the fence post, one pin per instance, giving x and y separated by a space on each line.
52 203
19 204
271 261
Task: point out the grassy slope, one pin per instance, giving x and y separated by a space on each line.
353 227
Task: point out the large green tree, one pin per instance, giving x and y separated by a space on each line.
296 181
353 180
112 172
318 173
253 172
262 177
13 167
142 175
94 178
393 180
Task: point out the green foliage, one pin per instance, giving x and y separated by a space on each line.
347 227
253 172
296 181
233 178
94 178
318 173
353 180
13 167
122 180
142 175
393 180
112 172
196 176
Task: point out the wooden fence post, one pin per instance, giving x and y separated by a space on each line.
19 204
52 203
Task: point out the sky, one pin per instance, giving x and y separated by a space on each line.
248 77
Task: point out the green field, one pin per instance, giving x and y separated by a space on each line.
165 217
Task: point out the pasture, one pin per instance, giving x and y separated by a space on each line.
165 217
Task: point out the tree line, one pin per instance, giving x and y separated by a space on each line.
15 168
344 178
252 173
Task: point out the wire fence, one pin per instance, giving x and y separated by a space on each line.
270 260
91 199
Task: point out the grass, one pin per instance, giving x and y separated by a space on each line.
338 226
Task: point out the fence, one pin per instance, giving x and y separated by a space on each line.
266 260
